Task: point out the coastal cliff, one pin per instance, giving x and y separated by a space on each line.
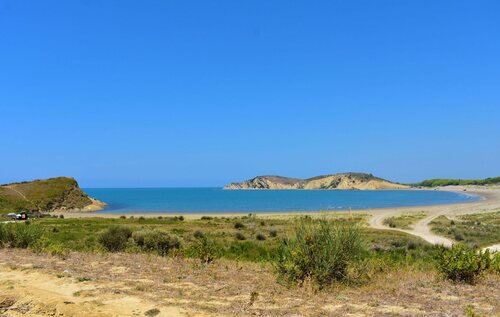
53 194
343 181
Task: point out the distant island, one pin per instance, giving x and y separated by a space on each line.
341 181
53 194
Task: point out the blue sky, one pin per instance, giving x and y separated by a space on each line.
200 93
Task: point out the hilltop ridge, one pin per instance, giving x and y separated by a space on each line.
341 181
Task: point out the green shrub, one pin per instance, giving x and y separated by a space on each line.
321 251
458 236
20 235
464 264
240 236
390 222
115 238
55 248
239 225
206 249
155 240
198 234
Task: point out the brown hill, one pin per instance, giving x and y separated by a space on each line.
344 181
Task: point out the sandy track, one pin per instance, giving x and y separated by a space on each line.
490 202
39 294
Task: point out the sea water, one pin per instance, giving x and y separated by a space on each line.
205 200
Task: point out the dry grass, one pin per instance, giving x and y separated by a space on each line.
230 288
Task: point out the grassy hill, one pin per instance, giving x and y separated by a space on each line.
447 182
59 193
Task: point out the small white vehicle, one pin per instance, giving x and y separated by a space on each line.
23 215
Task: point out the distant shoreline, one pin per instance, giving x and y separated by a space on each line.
487 197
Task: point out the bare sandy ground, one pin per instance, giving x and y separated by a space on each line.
490 201
121 284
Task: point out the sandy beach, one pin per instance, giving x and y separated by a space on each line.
490 201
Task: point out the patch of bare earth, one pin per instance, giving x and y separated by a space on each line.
132 284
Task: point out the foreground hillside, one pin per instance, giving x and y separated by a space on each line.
171 266
53 194
346 181
140 285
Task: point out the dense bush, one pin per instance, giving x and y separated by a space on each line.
155 240
239 225
198 234
390 222
464 264
240 236
318 250
20 235
115 238
206 249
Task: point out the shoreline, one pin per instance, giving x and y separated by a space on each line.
488 197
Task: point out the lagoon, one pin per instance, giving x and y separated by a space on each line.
210 200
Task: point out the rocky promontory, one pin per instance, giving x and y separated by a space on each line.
345 181
48 195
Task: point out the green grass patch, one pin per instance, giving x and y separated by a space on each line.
476 230
212 238
405 221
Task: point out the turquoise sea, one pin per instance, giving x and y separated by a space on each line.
200 200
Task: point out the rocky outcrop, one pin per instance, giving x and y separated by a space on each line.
53 194
346 181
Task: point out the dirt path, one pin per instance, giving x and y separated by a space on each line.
16 191
489 203
31 293
421 229
493 248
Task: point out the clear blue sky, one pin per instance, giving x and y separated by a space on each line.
200 93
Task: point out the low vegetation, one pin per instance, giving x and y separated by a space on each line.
448 182
476 230
22 235
301 250
115 238
404 221
157 241
321 251
464 264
